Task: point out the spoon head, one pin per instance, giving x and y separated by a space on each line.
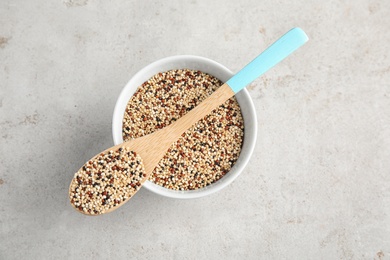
107 181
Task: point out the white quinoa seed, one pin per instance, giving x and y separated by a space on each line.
208 150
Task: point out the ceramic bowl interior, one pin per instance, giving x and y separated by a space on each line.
215 69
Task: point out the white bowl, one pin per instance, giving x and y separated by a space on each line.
215 69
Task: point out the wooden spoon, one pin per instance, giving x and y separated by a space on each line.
92 197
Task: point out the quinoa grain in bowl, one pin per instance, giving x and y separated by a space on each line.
206 151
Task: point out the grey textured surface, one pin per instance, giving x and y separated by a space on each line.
318 184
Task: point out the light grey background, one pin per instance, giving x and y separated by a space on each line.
317 186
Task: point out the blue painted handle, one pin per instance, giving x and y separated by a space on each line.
275 53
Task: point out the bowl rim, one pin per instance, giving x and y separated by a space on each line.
240 163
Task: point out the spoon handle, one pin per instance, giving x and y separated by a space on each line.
274 54
287 44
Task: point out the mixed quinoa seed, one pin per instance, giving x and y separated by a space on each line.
106 181
206 151
203 155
